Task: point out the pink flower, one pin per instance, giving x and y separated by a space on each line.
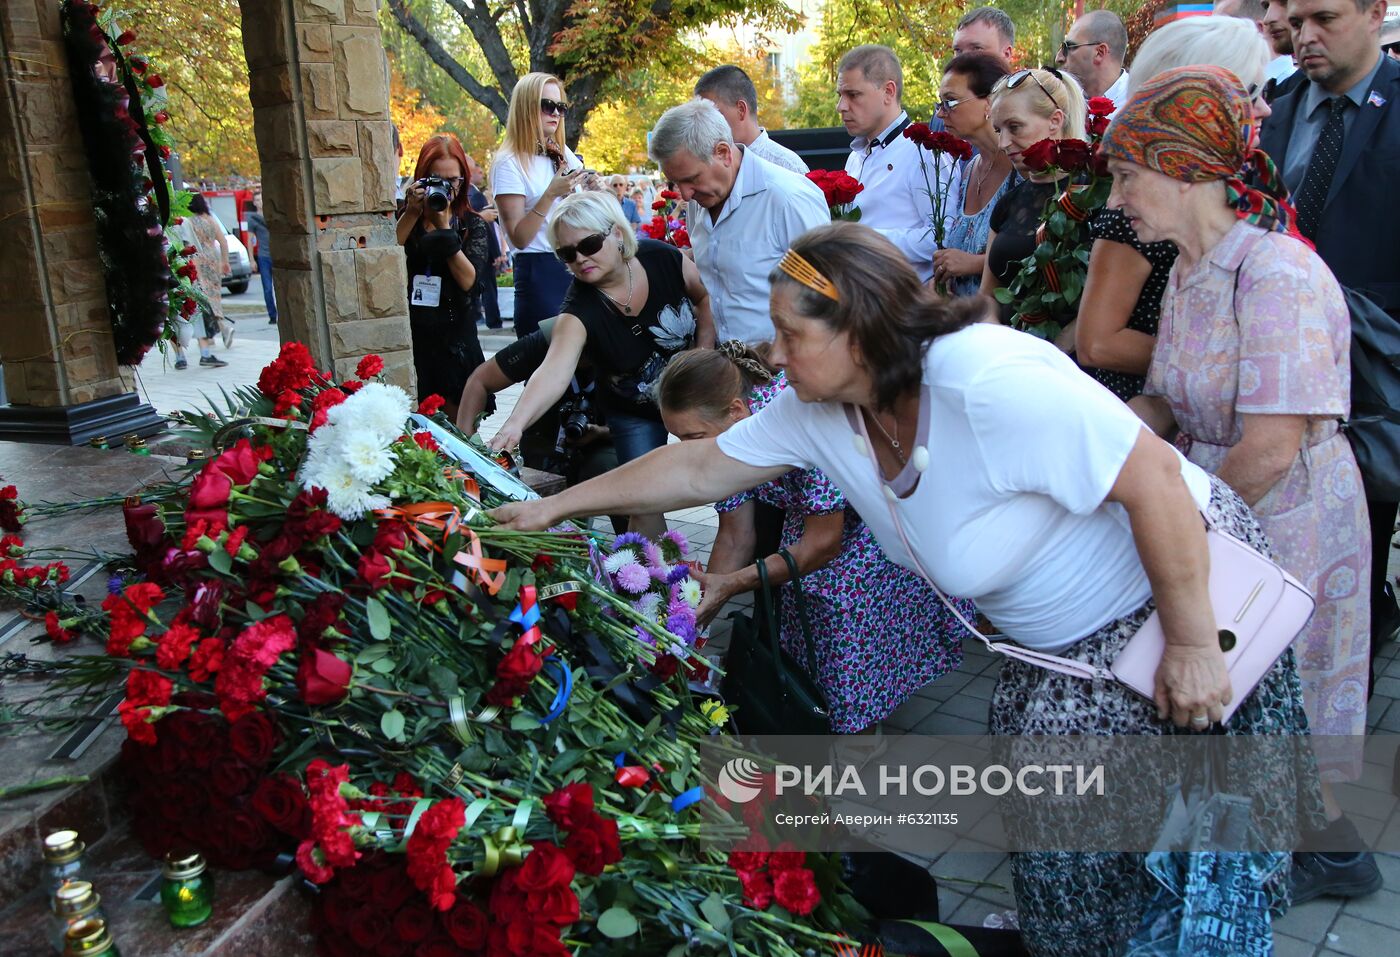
633 577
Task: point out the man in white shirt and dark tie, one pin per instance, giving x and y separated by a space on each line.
899 175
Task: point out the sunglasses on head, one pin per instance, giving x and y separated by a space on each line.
586 246
552 107
1019 77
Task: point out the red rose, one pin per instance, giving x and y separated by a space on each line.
520 664
155 81
231 778
796 890
436 947
413 922
369 367
357 883
758 889
1098 162
594 847
392 888
431 404
280 800
1072 155
374 569
368 927
1099 106
323 678
466 925
254 737
844 189
128 36
1038 156
1098 125
571 806
545 867
144 529
322 616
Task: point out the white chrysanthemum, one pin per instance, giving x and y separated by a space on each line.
347 496
377 408
614 562
690 591
648 604
368 457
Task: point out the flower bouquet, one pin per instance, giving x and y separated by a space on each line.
459 733
840 190
1044 294
947 150
667 221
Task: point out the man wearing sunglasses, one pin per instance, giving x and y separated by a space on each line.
1093 53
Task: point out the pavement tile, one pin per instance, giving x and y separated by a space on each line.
1286 946
1360 938
1310 921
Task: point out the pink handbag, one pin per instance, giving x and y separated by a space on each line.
1259 610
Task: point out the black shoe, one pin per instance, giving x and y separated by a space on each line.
272 322
212 362
1334 874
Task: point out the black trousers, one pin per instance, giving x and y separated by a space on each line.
1384 614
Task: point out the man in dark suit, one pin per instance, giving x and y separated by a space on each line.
487 280
1336 139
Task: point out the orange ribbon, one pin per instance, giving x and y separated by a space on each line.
441 516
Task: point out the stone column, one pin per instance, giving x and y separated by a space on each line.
320 94
61 376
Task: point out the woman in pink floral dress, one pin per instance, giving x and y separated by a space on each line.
1251 371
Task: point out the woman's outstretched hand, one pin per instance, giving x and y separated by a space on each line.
535 515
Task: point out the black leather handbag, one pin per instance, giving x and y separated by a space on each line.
769 692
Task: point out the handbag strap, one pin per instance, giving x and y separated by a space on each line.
795 584
765 593
1041 659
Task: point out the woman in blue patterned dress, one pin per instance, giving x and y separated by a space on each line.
880 631
965 109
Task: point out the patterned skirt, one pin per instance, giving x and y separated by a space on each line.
1075 904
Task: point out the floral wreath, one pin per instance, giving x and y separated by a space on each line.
121 111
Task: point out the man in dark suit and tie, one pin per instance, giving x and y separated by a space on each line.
1336 139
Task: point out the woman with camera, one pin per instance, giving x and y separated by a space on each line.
632 306
445 243
532 171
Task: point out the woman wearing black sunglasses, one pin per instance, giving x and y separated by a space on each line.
445 251
1028 106
533 170
632 305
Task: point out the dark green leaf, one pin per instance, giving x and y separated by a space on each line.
380 625
391 723
220 562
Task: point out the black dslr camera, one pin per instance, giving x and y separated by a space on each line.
575 414
437 192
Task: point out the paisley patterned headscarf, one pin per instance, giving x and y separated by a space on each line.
1196 124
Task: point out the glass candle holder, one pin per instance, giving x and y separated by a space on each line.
63 861
187 889
72 903
90 938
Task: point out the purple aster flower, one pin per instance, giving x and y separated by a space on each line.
645 637
633 578
115 584
682 625
630 538
678 574
652 554
678 541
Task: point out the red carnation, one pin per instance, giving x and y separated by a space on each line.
54 627
144 690
918 132
292 369
369 367
426 441
322 403
681 238
659 204
758 889
240 681
127 615
669 194
174 646
427 851
796 890
207 659
431 404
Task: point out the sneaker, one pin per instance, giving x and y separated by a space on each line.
212 362
180 363
1334 874
227 333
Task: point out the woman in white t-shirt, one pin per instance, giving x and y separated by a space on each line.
1024 485
532 170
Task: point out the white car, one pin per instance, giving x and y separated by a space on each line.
240 269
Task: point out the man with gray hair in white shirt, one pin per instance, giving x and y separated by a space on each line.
742 213
734 95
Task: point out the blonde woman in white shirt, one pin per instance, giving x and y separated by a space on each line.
533 169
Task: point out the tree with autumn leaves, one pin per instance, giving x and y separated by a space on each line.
590 45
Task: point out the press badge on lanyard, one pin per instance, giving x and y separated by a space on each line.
427 290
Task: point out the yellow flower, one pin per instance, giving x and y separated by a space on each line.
716 712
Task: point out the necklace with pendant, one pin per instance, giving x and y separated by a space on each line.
627 306
894 442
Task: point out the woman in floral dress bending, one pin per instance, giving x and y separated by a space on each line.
881 633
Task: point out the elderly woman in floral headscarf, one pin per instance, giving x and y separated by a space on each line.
1251 374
